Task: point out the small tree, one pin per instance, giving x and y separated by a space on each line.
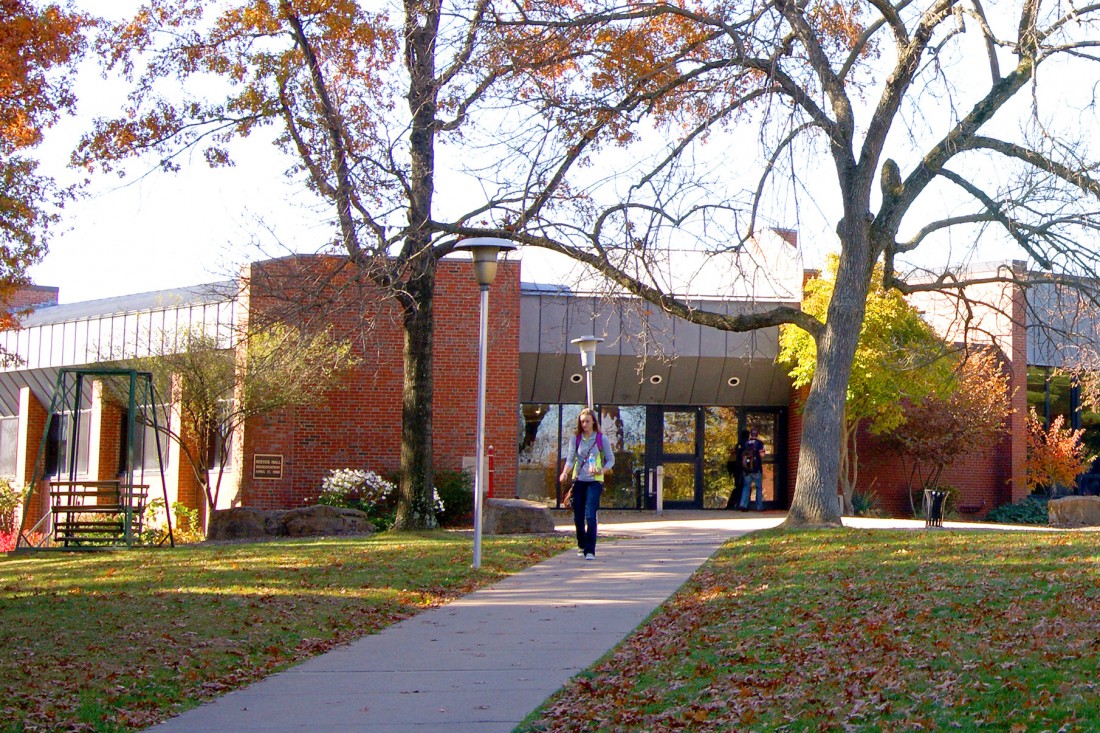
899 358
220 388
1055 454
946 425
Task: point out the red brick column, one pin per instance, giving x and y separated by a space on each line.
32 426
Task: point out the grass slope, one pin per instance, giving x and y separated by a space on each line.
860 630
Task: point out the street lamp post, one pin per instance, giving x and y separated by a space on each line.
484 251
587 346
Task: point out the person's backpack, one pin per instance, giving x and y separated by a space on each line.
748 457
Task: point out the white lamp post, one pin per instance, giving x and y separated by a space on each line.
484 250
587 345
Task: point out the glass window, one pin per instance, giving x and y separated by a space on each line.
624 428
719 449
220 452
59 445
9 445
679 433
538 458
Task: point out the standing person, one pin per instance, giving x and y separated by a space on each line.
733 468
589 459
752 454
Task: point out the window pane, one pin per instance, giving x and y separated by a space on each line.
538 453
624 428
9 445
679 482
720 436
679 432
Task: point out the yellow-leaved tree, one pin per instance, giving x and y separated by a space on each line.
899 360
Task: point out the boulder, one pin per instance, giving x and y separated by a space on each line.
516 516
1074 511
238 523
245 523
318 521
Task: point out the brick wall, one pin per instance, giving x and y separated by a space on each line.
28 296
983 476
109 446
358 425
32 419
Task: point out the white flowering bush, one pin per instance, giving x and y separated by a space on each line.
356 489
368 492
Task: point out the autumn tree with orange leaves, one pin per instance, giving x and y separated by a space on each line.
1055 454
38 48
920 130
967 417
372 104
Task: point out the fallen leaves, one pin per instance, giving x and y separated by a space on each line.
859 631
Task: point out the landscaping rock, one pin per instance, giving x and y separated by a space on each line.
1074 511
242 523
237 523
516 516
319 521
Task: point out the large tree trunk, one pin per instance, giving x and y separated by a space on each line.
815 494
415 508
416 505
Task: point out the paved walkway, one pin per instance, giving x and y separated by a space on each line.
483 662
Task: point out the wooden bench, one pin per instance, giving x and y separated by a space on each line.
94 512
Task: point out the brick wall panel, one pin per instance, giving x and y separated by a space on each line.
358 426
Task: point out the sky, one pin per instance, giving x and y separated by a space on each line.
166 230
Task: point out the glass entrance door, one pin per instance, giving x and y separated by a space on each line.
769 431
675 443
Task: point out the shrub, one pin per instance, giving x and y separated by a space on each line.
455 491
7 540
10 500
366 491
1032 510
865 503
186 527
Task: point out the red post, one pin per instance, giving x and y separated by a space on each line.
490 471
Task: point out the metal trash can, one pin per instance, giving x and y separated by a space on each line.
934 501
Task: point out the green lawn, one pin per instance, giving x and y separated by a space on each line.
858 630
114 641
847 630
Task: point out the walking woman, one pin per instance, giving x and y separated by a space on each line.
589 460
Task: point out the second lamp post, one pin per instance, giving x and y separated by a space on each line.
587 345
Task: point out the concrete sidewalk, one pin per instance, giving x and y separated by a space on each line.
483 662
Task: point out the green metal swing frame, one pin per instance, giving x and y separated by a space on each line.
65 404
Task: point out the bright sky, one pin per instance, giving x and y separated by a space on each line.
169 230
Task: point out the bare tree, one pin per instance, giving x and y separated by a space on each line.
878 113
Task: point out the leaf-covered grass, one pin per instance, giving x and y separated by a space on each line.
859 630
116 641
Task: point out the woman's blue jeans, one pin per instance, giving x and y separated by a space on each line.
586 503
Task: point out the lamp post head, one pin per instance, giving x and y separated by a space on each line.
484 250
587 345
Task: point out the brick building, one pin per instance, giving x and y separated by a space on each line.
674 398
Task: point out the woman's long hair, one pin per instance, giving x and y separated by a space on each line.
595 421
